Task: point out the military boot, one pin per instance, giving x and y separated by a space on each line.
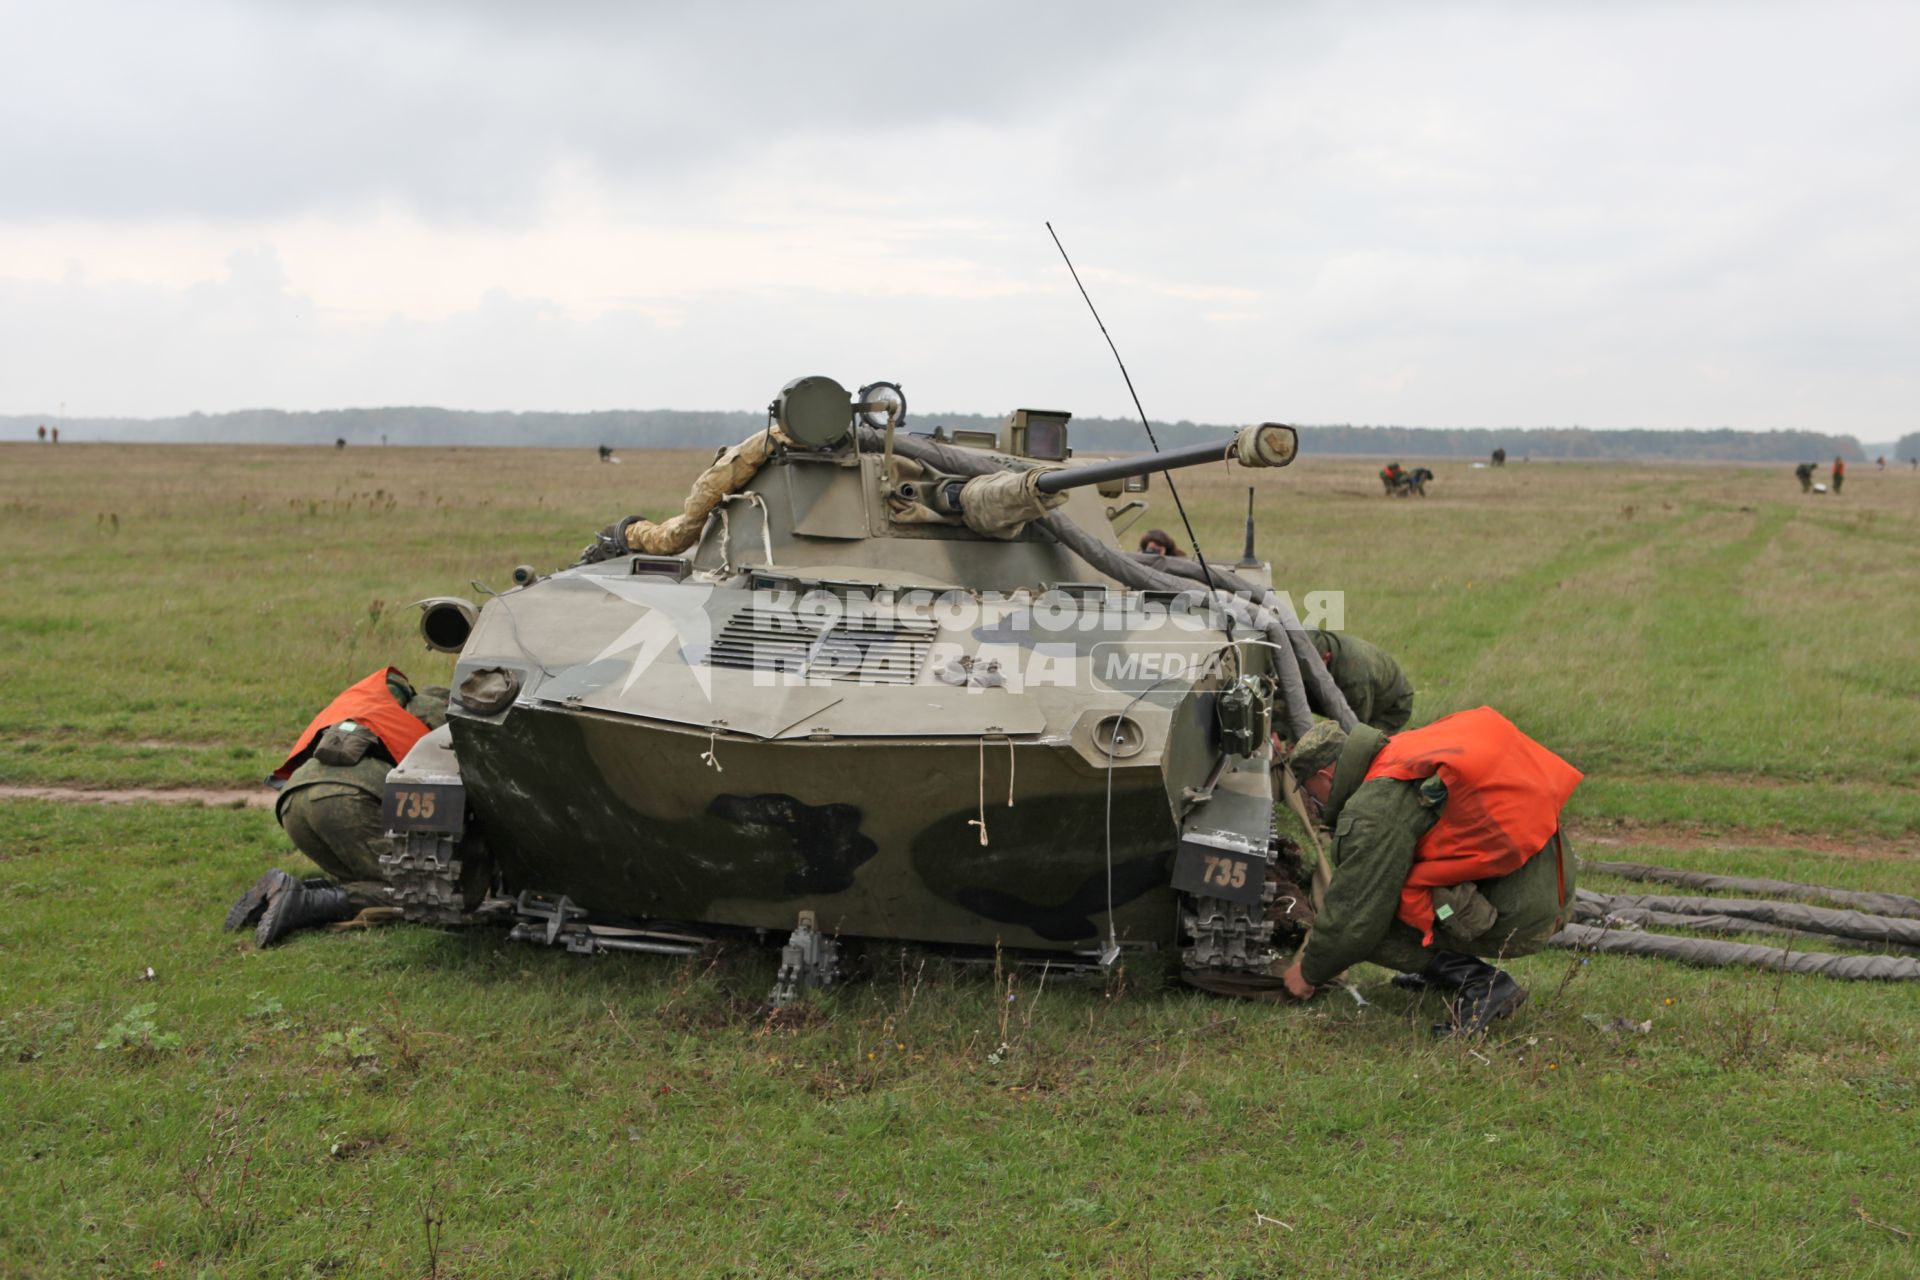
253 903
246 913
302 906
1484 994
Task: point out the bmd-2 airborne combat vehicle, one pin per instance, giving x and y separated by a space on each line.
873 684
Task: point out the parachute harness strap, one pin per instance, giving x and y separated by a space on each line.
981 821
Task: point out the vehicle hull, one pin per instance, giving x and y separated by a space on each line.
879 837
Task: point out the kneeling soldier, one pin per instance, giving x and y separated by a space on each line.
330 807
1446 848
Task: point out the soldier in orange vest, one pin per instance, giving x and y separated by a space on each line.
1446 849
330 805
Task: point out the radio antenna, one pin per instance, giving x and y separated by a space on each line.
1181 507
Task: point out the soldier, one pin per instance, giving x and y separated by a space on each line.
1804 474
1839 474
1446 847
330 806
1368 677
1157 542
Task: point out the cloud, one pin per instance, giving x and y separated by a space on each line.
1634 214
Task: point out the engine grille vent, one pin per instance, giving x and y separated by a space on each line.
864 649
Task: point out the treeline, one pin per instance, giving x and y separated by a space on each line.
678 428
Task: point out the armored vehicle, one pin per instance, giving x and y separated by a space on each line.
872 684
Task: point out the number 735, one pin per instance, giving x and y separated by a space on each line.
1228 873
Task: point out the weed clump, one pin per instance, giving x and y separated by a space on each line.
138 1036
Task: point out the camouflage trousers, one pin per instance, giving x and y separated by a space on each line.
1522 911
339 827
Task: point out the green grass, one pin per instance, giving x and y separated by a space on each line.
1707 625
637 1116
1730 663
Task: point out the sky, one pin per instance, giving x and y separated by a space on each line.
1619 214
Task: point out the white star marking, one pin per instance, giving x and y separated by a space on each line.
675 615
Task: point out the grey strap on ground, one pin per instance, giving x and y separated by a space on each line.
1591 908
1123 568
1880 904
1712 954
1595 910
1797 916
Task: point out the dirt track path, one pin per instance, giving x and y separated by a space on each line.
210 797
1609 839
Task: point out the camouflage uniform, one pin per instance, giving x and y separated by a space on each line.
1375 828
1371 681
332 812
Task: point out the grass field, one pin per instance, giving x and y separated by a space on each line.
1733 665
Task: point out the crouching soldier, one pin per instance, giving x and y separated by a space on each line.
1446 848
330 806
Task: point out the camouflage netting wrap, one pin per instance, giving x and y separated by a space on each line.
1280 628
1712 954
1000 505
736 465
1881 904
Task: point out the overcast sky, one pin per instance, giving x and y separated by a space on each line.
1619 214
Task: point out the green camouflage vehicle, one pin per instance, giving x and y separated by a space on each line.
871 684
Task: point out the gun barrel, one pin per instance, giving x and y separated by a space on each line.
1268 445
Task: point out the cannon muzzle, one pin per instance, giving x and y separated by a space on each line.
446 622
1270 444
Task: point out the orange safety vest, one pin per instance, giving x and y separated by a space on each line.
1504 796
368 702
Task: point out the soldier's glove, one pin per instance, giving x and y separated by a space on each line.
610 542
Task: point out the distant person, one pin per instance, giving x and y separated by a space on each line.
336 777
1499 457
606 454
1368 678
1446 849
1156 542
1839 473
1804 474
43 433
1390 476
340 442
1880 463
56 435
